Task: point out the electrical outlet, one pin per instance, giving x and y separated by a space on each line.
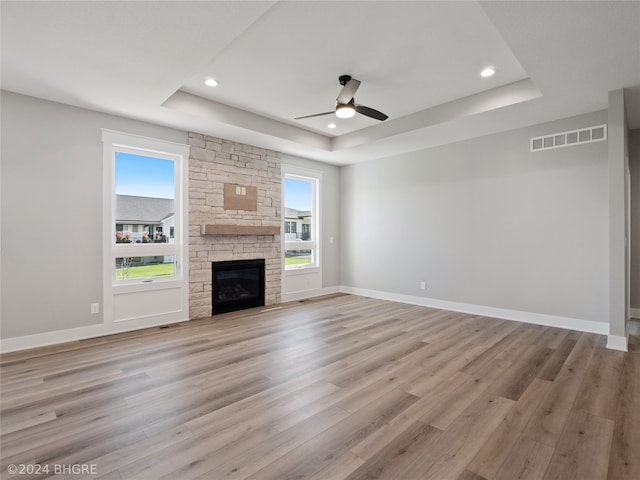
95 308
423 285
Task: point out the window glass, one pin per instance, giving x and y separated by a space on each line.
145 267
298 258
299 222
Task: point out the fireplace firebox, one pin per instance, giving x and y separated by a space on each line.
236 285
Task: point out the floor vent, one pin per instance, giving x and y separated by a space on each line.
568 139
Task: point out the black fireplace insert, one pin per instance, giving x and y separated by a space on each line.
237 284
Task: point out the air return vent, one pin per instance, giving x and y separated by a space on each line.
567 139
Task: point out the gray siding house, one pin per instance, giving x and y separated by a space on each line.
136 215
297 224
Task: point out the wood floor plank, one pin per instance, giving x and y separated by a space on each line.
393 459
84 452
529 336
469 475
549 419
207 401
634 335
441 367
126 454
559 357
631 373
445 411
269 407
376 441
501 442
329 388
528 461
317 453
601 386
227 438
523 371
372 359
250 457
491 330
342 467
583 449
583 350
448 454
109 476
189 455
553 337
26 419
497 348
624 462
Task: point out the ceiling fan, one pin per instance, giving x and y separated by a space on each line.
346 106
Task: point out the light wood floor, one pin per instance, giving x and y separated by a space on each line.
334 388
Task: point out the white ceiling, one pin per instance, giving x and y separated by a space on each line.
418 62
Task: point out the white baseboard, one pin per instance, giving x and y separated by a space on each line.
92 331
505 314
634 313
45 339
303 294
80 333
617 342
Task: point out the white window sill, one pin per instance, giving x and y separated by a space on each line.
301 270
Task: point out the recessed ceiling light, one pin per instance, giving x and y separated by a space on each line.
211 82
488 71
332 125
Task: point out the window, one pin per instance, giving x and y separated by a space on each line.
300 192
290 227
145 202
144 238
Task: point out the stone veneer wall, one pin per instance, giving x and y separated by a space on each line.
212 163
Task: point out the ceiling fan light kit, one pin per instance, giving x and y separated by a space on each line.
345 111
346 106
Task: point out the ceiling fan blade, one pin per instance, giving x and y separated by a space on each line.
370 112
348 91
316 115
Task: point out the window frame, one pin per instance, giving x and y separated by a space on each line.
114 142
314 243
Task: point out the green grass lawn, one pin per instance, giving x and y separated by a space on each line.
297 260
163 269
142 271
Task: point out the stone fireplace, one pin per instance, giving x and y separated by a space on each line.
225 228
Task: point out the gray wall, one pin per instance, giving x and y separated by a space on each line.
618 152
330 215
51 202
634 165
485 222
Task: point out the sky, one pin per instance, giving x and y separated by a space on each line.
144 176
297 194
